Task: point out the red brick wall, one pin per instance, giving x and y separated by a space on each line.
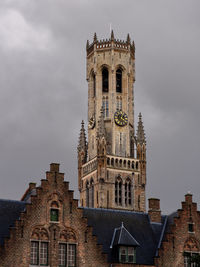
179 239
16 251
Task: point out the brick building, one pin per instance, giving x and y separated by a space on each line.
110 226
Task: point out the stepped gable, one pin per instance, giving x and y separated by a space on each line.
9 212
147 234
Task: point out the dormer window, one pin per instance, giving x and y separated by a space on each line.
127 254
124 245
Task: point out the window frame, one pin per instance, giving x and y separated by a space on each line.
39 242
190 224
57 210
67 244
187 257
105 80
127 254
118 76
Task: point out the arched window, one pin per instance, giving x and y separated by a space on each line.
92 193
191 252
39 247
128 197
105 105
139 202
119 81
105 83
87 194
118 191
94 84
54 212
119 103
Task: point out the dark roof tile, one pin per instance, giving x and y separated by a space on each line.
9 213
104 222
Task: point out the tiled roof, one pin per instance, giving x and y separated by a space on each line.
147 234
9 213
121 236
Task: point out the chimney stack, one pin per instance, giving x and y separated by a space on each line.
154 210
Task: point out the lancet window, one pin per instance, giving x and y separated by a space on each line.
105 80
118 191
105 105
119 81
128 197
119 103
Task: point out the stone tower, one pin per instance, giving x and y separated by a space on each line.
112 165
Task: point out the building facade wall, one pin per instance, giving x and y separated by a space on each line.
35 225
180 240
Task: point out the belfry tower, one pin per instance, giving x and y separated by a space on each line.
112 164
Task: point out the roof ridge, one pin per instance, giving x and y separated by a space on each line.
12 200
115 210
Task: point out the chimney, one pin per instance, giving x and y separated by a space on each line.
188 198
54 167
154 210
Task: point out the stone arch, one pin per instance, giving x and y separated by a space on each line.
54 207
120 66
191 244
68 235
39 233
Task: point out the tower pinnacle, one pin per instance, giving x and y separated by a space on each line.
141 139
82 146
112 36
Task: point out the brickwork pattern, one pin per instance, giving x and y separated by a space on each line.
16 250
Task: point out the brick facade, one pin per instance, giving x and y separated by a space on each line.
34 224
179 239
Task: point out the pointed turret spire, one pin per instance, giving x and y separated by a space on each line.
82 139
87 44
101 125
95 37
128 40
141 139
112 36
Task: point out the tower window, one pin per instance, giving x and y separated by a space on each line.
119 81
105 83
87 194
128 198
94 85
105 105
119 103
92 193
118 191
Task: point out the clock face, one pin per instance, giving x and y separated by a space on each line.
120 117
91 123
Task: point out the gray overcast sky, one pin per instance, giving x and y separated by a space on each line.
43 91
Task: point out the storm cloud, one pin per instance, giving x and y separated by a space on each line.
43 88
